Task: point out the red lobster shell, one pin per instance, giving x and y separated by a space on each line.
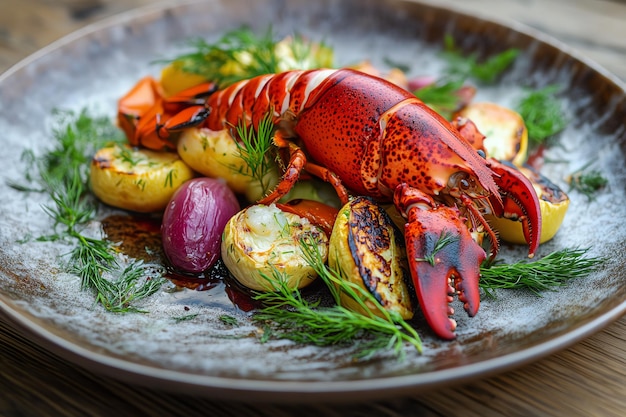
371 137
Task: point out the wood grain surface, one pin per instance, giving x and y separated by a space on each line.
589 379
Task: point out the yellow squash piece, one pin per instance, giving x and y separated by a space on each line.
260 241
137 180
553 203
174 79
368 250
506 136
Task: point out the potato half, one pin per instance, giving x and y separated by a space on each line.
214 153
368 250
506 136
137 179
262 240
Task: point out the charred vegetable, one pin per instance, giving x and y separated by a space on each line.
262 240
193 223
367 249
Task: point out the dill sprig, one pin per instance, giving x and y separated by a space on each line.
242 54
289 316
542 114
253 147
443 240
62 172
248 53
186 317
442 96
469 66
587 181
547 273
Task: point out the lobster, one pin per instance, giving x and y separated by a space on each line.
367 136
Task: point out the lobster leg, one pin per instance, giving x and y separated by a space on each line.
297 163
331 178
186 118
440 250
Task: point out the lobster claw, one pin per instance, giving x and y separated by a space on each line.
519 201
440 250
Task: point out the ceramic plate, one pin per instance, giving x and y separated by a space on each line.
95 66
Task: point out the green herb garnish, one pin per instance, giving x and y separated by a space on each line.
241 54
442 96
587 181
186 317
253 147
551 271
229 320
289 316
542 114
469 66
63 173
444 239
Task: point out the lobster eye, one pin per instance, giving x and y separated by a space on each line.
482 154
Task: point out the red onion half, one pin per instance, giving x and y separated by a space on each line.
193 223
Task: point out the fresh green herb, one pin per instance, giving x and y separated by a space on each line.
547 273
442 96
254 146
63 173
288 315
186 317
587 181
542 114
169 178
127 156
444 239
241 54
229 320
462 66
118 294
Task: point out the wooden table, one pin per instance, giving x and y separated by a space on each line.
588 379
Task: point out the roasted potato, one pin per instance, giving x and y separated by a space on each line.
261 240
506 136
214 153
137 179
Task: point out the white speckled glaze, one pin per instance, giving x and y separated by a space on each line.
94 67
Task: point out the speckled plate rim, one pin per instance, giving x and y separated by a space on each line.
289 391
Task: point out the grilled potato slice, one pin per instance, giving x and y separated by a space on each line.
261 240
137 179
506 136
367 248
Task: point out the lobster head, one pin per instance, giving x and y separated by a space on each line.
444 196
